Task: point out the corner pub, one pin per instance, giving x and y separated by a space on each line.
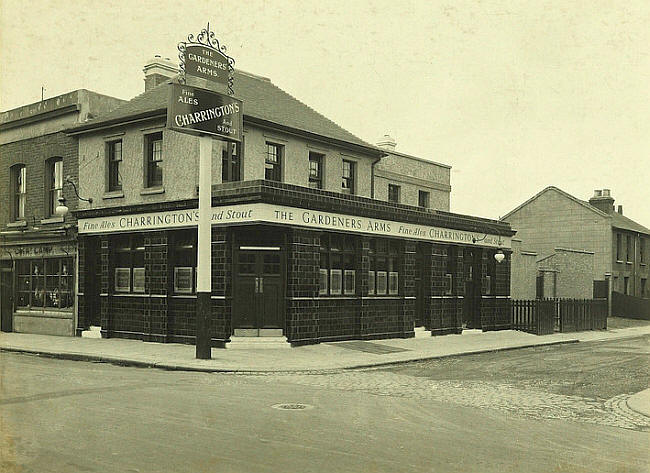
316 235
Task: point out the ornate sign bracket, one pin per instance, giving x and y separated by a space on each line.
205 39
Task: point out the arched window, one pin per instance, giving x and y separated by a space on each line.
53 184
18 186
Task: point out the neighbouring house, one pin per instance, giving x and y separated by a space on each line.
577 246
38 248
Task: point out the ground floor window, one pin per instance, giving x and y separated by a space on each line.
129 263
184 261
46 283
383 277
337 265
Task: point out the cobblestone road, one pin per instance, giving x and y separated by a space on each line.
534 393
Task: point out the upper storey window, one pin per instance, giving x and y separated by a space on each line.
423 199
393 193
114 153
273 162
231 160
54 183
315 170
154 150
18 191
347 182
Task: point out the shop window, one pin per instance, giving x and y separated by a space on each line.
54 183
114 160
45 283
423 199
273 162
348 177
315 170
184 261
18 191
489 279
154 156
383 277
393 193
337 265
129 264
232 155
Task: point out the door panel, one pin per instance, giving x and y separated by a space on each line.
259 289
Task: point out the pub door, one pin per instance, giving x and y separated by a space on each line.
422 284
258 302
6 300
472 304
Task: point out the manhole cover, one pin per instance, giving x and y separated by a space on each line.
292 406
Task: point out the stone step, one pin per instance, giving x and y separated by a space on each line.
93 332
254 343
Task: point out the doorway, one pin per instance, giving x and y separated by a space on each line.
6 300
258 302
472 305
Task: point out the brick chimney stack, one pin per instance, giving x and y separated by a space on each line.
157 70
603 200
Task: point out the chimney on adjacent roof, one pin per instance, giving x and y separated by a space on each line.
157 70
387 143
603 201
620 209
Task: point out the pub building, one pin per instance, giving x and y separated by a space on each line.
316 235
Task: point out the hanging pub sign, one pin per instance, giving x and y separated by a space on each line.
203 57
200 111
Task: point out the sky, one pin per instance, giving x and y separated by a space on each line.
514 95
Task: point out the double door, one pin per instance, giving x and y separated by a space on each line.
258 301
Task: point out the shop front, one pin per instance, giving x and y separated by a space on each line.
37 292
294 262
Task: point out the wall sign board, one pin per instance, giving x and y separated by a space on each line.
291 216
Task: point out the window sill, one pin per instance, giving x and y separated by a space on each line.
113 195
45 221
20 223
628 262
152 190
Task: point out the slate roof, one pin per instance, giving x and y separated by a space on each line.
618 220
262 100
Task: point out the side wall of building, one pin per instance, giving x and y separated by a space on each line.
413 175
553 220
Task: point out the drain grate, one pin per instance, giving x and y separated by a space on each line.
292 406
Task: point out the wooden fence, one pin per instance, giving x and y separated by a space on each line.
545 316
630 307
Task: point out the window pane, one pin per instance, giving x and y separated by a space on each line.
322 289
138 279
371 282
183 280
123 279
393 286
336 277
349 282
382 282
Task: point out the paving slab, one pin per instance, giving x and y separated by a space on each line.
640 402
321 357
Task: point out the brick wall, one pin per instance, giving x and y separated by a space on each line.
34 153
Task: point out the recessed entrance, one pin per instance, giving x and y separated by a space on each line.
258 302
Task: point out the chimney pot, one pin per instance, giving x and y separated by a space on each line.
387 143
598 193
620 209
606 193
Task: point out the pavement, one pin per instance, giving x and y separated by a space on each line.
265 355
